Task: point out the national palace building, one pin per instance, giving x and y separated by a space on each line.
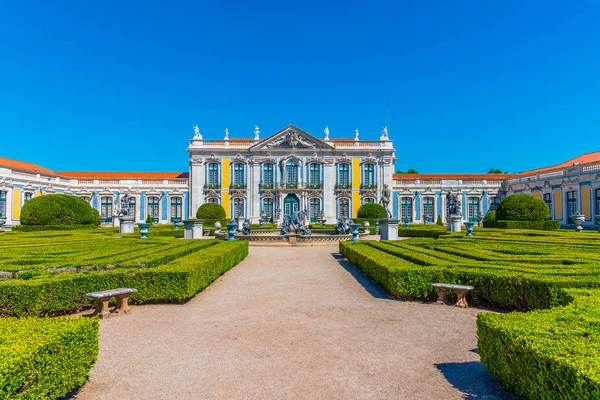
293 170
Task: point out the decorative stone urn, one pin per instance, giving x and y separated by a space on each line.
354 231
232 230
144 229
323 222
192 228
578 220
469 226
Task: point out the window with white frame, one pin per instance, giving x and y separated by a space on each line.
406 209
238 208
27 196
213 200
106 204
176 208
238 175
344 208
428 209
368 175
571 204
267 208
344 175
153 207
213 175
291 172
472 208
314 176
132 206
314 209
367 200
2 204
268 178
548 200
494 203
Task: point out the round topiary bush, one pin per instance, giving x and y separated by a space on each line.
59 209
490 216
210 211
522 207
371 210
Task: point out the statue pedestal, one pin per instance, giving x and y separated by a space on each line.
388 228
454 223
192 229
240 224
126 225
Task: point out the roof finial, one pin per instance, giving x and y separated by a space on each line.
326 131
256 132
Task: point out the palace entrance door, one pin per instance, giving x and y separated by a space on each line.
291 204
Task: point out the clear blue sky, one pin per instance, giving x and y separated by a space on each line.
513 85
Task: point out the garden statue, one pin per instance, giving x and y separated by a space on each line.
453 205
246 227
123 208
342 227
386 195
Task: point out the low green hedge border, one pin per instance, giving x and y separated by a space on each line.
175 281
548 225
45 358
39 228
546 354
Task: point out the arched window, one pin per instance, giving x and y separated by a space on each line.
176 208
238 175
238 208
132 206
571 205
368 176
314 209
344 176
2 204
367 200
314 176
291 173
267 179
106 204
344 208
213 176
153 207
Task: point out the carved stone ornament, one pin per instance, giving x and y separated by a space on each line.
291 140
346 194
238 194
315 194
369 159
266 159
546 184
385 161
284 161
370 194
212 159
212 195
344 159
315 159
268 194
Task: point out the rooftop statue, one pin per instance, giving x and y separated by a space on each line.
197 132
326 131
256 132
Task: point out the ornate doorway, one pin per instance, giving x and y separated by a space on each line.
291 204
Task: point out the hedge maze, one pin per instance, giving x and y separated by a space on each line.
48 274
549 347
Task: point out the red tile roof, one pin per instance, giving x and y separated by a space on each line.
24 166
126 175
452 176
582 159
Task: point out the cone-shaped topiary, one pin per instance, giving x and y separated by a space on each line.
210 211
371 210
59 209
439 220
522 207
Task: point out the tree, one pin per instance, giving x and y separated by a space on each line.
522 207
411 171
496 171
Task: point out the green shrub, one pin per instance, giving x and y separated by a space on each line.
522 207
43 358
439 220
149 219
39 228
371 210
490 216
210 211
58 209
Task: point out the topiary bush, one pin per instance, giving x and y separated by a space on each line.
439 220
522 207
210 211
59 209
149 219
490 216
371 210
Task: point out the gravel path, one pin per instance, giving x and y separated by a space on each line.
291 323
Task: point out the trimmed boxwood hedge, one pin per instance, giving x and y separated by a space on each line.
522 207
548 225
45 358
371 210
39 228
176 281
208 211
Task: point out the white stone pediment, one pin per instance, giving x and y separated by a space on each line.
291 138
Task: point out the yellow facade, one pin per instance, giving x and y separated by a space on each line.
558 204
38 193
226 181
355 186
16 212
585 202
537 194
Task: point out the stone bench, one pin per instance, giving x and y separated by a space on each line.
461 292
103 297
